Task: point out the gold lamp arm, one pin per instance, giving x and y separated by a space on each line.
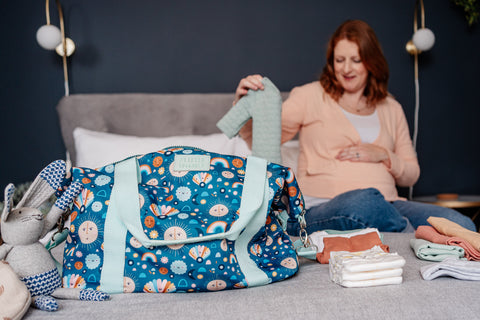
66 46
413 50
422 14
47 11
422 39
410 47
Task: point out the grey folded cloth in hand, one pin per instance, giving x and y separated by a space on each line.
265 108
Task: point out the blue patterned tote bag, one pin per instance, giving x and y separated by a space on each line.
181 220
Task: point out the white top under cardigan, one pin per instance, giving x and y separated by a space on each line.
368 128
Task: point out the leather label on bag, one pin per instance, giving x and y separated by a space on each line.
192 162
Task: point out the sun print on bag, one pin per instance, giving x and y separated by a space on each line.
130 282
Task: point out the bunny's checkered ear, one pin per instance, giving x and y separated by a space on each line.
44 185
8 201
54 173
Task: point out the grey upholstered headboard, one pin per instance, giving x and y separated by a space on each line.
143 115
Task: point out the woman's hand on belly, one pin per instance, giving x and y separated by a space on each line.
364 152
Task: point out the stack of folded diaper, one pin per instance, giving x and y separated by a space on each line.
373 267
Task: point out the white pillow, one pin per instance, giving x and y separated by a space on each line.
96 149
289 151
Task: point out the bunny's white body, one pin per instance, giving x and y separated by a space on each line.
19 258
29 224
23 227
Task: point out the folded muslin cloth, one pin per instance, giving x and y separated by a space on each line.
430 251
451 267
265 108
431 234
353 241
452 229
366 268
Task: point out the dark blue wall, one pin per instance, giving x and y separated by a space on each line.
207 46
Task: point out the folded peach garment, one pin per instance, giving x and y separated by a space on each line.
353 244
431 234
452 229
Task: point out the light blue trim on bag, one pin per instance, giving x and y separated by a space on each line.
255 189
252 196
124 198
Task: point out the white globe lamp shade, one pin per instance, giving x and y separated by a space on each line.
424 39
49 36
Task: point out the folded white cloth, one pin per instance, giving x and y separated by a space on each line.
367 268
452 267
368 260
372 282
369 275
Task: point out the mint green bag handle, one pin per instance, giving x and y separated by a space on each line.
125 202
123 215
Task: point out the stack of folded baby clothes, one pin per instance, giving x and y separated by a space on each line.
350 240
452 229
452 239
445 239
373 267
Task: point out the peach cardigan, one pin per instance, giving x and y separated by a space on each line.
324 130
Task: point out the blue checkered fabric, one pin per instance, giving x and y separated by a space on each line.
54 173
9 190
69 195
93 295
43 283
46 303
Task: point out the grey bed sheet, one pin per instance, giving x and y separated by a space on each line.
308 295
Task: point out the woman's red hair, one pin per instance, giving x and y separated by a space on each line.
372 57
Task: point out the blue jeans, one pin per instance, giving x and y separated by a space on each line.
367 208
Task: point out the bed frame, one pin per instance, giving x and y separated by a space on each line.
308 295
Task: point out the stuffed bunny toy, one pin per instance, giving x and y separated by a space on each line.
23 226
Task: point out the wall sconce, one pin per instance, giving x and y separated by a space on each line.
423 39
50 37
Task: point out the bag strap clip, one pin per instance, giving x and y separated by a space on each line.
303 246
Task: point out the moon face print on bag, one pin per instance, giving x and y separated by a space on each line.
175 233
88 232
